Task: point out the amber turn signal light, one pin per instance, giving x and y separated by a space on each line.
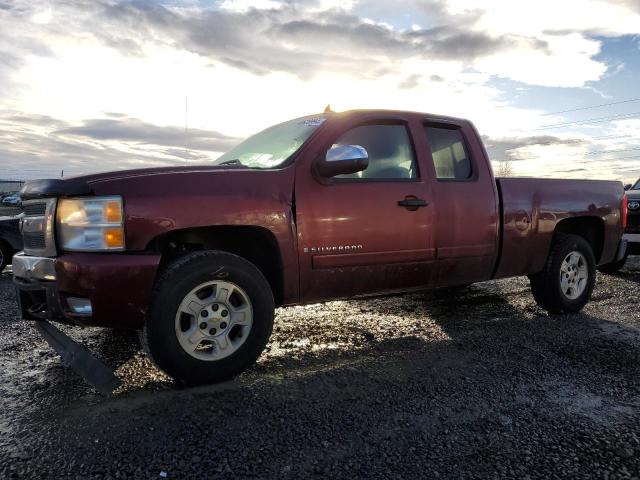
113 237
113 212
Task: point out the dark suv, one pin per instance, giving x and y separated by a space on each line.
632 233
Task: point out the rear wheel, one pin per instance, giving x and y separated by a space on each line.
566 283
210 319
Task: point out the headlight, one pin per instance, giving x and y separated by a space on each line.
90 224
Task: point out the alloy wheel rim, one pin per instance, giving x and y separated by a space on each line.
213 320
574 275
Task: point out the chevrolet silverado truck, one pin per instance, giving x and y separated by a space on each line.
323 207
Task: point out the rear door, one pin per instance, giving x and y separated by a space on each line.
355 236
467 205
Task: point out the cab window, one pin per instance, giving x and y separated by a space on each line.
390 152
449 154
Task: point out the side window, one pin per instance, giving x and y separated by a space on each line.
449 154
390 152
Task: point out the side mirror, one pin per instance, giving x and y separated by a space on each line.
627 186
343 159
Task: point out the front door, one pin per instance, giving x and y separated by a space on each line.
370 231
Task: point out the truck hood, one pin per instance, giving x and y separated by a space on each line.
145 172
84 185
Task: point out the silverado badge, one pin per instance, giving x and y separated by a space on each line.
333 249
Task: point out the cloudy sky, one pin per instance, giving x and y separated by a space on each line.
104 85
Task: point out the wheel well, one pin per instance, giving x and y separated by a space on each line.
256 244
589 228
7 248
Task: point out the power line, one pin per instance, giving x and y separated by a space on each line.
591 120
573 141
609 137
588 121
625 158
186 127
560 141
536 157
576 141
630 100
602 152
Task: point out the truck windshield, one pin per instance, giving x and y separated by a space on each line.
636 186
272 147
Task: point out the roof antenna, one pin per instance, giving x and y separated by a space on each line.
327 109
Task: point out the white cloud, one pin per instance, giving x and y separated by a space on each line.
566 62
245 5
567 27
317 5
630 128
251 63
43 16
337 4
604 17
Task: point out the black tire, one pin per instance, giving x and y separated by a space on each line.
614 267
5 256
546 285
159 337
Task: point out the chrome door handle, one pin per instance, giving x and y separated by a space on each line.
413 203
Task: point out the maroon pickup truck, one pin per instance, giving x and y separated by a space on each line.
323 207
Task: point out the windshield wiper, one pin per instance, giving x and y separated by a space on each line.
235 161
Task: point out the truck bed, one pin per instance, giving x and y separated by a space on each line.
531 208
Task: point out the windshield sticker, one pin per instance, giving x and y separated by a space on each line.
312 122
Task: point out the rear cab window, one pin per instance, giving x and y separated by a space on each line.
450 155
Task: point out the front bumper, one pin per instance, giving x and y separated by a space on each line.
116 286
36 291
33 268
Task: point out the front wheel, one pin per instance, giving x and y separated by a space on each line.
5 256
210 319
566 283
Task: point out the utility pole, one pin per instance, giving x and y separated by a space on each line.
186 127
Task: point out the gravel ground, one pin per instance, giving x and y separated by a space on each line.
473 383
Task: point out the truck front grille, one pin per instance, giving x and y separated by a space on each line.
35 209
37 227
34 241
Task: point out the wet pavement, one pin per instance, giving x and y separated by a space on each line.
465 383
